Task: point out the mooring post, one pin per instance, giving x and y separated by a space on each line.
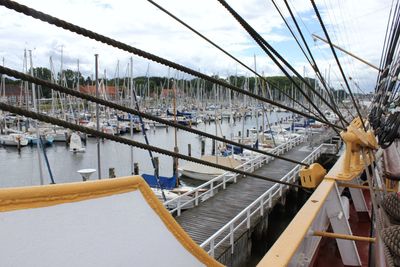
135 168
156 166
19 145
175 162
189 150
213 147
203 147
247 133
84 138
111 172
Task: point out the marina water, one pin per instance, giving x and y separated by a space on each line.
22 168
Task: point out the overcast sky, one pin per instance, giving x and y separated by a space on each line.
356 25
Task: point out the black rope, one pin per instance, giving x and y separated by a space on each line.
338 63
79 128
228 54
385 122
313 64
103 39
59 88
270 51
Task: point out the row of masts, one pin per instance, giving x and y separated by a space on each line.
196 92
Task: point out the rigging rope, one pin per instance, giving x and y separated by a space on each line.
79 128
337 62
313 64
385 115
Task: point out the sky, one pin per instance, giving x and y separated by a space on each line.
356 25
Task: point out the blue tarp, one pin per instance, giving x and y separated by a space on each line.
166 182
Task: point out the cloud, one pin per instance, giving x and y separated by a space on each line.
140 24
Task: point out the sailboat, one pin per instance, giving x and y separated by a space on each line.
13 139
75 144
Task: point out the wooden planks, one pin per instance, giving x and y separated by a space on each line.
203 221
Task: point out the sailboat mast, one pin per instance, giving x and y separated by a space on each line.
3 89
35 107
97 114
78 88
256 92
176 150
131 115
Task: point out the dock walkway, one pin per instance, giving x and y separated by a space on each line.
204 220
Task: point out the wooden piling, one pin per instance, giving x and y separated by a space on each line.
213 147
189 150
156 166
19 145
203 147
111 172
175 163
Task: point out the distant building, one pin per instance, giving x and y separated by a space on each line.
105 92
16 94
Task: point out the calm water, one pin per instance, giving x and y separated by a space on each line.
21 169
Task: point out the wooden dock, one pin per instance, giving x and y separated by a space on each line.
206 219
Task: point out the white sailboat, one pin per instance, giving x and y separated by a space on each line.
75 144
13 139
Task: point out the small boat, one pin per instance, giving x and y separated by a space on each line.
60 135
206 173
165 182
13 139
47 139
170 195
75 144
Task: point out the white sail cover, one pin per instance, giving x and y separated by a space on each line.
115 222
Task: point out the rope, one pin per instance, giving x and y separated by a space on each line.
114 43
337 61
59 88
391 205
313 64
391 238
125 141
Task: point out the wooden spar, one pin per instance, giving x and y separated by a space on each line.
350 54
363 187
342 236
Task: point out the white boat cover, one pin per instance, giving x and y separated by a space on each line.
224 161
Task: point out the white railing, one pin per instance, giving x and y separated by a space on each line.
227 232
208 189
